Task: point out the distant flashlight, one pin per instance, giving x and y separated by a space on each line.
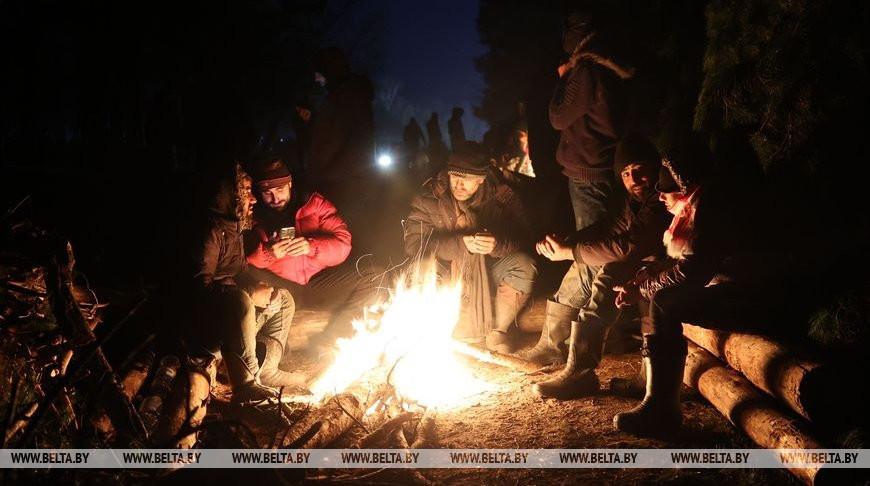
385 161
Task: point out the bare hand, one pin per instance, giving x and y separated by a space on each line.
298 246
554 249
261 295
281 248
565 68
480 244
629 294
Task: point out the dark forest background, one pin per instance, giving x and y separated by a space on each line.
111 109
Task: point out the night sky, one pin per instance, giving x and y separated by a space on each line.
430 47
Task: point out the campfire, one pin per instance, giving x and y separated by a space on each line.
411 338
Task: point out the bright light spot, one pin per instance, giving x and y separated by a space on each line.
414 338
385 161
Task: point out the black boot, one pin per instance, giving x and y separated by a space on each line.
634 387
508 303
659 413
557 327
577 378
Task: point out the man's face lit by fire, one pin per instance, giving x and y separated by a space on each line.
671 199
247 200
277 197
636 179
463 186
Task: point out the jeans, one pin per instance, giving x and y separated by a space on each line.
590 201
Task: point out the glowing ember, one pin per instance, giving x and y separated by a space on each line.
413 337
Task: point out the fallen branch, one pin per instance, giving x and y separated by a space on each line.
380 434
484 355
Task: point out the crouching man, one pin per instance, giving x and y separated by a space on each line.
474 226
233 310
303 244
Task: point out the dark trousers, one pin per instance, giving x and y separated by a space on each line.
343 290
726 306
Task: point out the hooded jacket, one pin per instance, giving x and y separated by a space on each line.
219 256
585 109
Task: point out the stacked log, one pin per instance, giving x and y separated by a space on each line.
801 383
759 416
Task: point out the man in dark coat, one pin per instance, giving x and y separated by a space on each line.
618 245
233 309
455 130
342 137
473 225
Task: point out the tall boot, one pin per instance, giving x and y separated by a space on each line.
246 389
659 413
577 378
508 303
271 375
557 327
634 387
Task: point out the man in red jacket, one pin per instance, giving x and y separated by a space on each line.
311 258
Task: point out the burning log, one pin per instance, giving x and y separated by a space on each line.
383 432
137 374
800 383
744 406
337 415
482 354
427 434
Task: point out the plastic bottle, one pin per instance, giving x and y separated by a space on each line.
149 410
165 375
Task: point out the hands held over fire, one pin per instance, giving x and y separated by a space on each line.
291 247
480 243
554 249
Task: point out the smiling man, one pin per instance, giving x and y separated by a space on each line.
474 226
583 311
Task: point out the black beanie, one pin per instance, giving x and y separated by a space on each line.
271 173
635 149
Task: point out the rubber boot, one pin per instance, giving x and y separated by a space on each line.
246 390
508 303
634 387
271 375
659 413
577 378
557 327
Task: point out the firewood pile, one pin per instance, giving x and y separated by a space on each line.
59 387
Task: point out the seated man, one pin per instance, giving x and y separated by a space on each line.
619 242
473 225
227 299
312 261
714 237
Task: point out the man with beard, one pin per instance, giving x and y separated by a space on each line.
303 243
618 245
473 225
227 298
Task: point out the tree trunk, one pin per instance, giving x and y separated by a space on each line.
753 412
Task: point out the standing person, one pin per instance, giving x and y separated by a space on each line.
455 130
312 262
620 244
412 142
437 149
341 154
473 226
233 309
585 110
